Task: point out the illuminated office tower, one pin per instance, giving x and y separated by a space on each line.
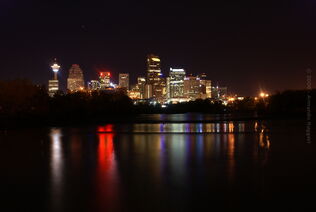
148 91
202 78
105 80
154 78
53 85
141 82
160 91
175 83
168 87
192 87
208 88
153 69
75 81
124 81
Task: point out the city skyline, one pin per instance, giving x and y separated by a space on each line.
93 73
174 87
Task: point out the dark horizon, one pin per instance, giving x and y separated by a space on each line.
245 46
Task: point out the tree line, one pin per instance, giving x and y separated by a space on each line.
22 100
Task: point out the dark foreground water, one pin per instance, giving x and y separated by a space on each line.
250 165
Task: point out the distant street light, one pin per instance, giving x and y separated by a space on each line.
264 95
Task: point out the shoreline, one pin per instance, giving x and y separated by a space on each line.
139 119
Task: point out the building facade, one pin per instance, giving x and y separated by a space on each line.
148 91
192 88
105 80
222 92
141 82
154 79
208 88
202 78
175 83
124 80
94 85
75 81
219 93
52 87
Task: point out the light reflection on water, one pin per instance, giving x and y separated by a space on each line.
223 127
57 165
152 159
107 177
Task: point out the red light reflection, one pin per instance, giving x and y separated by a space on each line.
106 128
106 171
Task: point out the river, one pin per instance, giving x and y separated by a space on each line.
170 166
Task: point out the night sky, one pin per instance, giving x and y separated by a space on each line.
245 45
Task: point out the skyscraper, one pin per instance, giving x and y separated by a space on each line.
192 87
208 88
148 91
141 82
75 81
202 78
155 79
153 69
176 83
168 88
124 80
105 80
53 85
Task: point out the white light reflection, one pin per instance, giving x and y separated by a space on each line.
218 127
56 163
225 126
178 158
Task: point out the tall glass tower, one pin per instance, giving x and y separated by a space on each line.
153 69
154 80
176 83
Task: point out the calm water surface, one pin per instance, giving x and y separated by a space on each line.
248 165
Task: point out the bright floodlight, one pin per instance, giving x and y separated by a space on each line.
263 95
55 67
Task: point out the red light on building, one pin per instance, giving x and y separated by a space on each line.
105 74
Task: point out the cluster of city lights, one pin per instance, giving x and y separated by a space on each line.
154 88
